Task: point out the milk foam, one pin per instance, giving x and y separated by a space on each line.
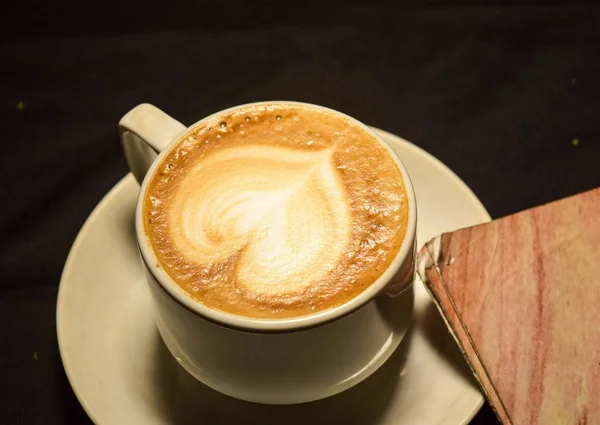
282 213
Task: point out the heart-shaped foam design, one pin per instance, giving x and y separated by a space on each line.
283 212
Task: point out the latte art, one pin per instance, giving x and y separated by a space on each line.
275 210
281 212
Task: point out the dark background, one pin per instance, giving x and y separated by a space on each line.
505 93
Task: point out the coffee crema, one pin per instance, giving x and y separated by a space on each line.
276 210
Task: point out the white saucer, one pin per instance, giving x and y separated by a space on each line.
123 374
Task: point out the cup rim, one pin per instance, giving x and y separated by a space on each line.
277 325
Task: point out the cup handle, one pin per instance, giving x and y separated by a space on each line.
144 132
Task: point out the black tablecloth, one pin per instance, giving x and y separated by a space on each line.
506 96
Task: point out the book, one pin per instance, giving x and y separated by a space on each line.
521 296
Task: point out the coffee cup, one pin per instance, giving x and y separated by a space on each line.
253 341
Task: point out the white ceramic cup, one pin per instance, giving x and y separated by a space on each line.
274 361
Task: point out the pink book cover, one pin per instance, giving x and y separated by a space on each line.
521 296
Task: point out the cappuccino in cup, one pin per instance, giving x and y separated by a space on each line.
276 211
